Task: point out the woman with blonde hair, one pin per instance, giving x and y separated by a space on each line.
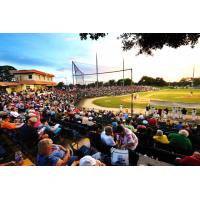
50 154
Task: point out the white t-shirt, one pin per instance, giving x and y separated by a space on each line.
14 114
107 139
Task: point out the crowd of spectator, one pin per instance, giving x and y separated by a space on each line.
49 126
114 90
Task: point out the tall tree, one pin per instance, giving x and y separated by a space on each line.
146 80
149 42
60 85
5 74
111 82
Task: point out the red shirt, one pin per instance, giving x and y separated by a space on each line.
190 160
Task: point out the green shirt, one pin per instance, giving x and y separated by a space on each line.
180 141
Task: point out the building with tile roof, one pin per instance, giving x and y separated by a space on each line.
28 79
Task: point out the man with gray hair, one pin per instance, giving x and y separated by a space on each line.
180 139
107 136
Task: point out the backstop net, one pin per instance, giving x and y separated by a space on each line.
86 74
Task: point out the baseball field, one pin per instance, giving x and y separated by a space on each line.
141 99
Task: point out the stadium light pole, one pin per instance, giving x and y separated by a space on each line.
131 93
73 72
97 71
123 71
193 77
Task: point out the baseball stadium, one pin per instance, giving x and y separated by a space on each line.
102 117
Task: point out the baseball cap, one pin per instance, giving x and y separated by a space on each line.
145 122
87 161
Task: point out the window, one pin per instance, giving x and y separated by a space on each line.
28 87
30 76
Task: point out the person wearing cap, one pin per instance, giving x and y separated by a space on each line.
180 139
90 161
107 137
160 137
53 155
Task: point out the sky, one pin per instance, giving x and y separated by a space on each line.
54 53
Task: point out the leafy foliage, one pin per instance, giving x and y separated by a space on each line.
93 36
60 85
5 74
146 80
148 42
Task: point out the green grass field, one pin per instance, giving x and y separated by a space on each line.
170 95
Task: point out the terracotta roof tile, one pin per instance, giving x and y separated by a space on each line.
30 71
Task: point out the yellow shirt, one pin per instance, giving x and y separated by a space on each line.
162 139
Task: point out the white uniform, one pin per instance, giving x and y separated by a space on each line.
164 114
179 113
176 113
194 113
153 110
173 112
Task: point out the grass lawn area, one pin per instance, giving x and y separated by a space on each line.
172 95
